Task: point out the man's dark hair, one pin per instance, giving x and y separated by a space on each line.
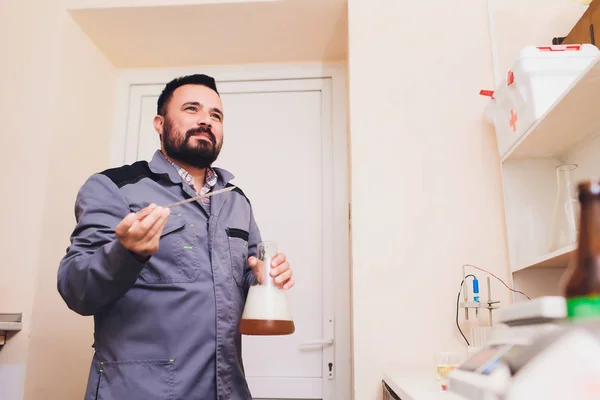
167 93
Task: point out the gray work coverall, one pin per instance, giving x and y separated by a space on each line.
166 328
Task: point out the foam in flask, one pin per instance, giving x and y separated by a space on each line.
267 310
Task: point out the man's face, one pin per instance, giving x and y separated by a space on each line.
192 129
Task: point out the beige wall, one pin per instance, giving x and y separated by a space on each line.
57 95
29 44
417 132
60 348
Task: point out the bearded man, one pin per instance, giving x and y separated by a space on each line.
167 289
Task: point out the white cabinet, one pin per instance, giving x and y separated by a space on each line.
567 133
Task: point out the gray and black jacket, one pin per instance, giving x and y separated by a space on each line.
165 328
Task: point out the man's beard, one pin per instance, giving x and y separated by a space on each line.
200 155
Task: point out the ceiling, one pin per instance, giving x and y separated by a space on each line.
276 31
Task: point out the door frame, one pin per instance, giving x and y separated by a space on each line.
335 73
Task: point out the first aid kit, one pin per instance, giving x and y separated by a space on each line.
541 75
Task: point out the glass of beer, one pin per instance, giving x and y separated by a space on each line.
445 362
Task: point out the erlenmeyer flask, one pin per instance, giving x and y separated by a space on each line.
267 311
563 231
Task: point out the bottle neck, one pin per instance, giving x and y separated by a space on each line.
267 279
266 252
582 286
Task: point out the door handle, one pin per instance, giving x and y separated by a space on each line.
320 342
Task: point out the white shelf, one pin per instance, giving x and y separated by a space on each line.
557 259
569 132
11 322
11 326
574 117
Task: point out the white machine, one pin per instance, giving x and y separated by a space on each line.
537 354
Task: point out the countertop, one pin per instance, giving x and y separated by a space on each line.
416 384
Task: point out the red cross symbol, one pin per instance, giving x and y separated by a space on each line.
513 120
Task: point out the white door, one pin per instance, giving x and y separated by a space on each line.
278 142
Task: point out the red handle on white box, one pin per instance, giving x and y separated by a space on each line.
510 78
561 47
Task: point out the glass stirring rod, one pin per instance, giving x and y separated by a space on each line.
209 194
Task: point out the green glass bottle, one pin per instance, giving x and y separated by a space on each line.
581 284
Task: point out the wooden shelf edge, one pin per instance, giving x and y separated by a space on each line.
566 99
556 259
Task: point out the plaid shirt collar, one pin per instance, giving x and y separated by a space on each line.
210 180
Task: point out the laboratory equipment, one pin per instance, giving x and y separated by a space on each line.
537 354
479 334
445 362
563 231
476 303
267 310
146 211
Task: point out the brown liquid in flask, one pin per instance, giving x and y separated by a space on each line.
267 310
581 284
